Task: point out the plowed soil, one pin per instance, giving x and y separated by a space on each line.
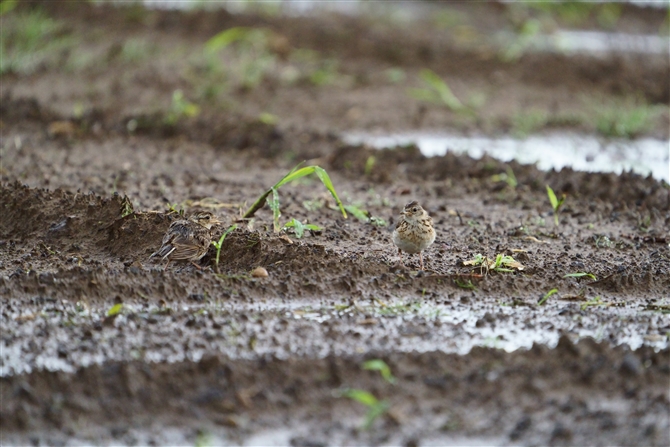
218 356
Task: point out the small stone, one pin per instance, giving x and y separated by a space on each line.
259 272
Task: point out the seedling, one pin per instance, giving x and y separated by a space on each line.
30 40
544 298
501 263
382 367
115 310
218 244
369 164
294 174
597 301
555 203
525 38
465 285
180 108
581 275
365 216
268 118
375 407
299 227
507 177
625 118
437 91
126 207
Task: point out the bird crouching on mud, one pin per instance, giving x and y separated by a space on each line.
414 231
187 239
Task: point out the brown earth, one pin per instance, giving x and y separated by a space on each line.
218 356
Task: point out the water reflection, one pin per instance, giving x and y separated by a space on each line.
554 151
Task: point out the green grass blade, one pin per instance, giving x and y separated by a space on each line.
295 174
115 310
274 206
544 298
552 198
377 410
382 367
325 179
581 275
225 38
361 396
440 86
220 242
258 204
358 213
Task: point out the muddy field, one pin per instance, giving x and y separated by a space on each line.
122 117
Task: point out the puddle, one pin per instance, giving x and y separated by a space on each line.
320 330
598 42
554 151
561 41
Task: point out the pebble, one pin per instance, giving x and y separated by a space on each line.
259 272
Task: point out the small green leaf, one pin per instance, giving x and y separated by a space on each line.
581 275
552 198
325 179
369 164
268 118
225 38
298 227
361 396
358 213
115 310
274 206
220 243
7 5
377 410
382 367
544 298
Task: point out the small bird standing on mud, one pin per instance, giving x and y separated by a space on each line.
187 239
414 231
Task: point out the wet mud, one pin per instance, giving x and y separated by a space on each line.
102 345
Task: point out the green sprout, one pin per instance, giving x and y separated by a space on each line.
299 227
294 174
375 407
507 177
465 285
115 310
581 275
218 244
544 298
369 164
365 216
555 203
501 263
437 91
180 108
597 301
382 367
30 40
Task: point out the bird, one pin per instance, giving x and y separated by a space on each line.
187 239
414 231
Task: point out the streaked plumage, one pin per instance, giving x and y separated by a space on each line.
187 239
414 231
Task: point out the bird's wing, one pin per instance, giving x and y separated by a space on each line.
176 236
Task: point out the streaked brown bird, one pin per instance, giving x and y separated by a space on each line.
187 239
414 231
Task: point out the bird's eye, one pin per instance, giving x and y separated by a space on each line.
415 209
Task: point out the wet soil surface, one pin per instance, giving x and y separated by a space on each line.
225 357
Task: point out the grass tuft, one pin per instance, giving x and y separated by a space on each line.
294 174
